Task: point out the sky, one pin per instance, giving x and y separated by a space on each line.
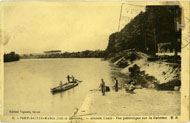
35 27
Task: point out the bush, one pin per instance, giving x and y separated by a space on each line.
169 85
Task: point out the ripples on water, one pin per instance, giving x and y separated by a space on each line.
28 83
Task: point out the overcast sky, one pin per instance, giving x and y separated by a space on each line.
34 27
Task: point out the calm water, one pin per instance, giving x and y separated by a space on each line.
28 83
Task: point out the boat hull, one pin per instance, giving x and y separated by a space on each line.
64 87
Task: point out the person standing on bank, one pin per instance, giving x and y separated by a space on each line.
102 86
116 85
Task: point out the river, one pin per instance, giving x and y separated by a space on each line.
27 84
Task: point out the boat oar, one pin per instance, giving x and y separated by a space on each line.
78 80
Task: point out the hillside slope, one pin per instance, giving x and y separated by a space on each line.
158 74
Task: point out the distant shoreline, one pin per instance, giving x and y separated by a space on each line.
82 54
64 58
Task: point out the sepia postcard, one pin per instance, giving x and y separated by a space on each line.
94 61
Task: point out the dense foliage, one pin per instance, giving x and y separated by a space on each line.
11 57
158 24
82 54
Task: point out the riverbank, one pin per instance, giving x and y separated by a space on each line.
142 103
136 66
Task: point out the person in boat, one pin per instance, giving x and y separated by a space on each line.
116 84
68 78
102 87
73 79
61 83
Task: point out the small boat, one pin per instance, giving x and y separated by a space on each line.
64 87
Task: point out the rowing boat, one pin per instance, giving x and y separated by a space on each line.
64 87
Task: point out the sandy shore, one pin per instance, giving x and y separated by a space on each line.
143 102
